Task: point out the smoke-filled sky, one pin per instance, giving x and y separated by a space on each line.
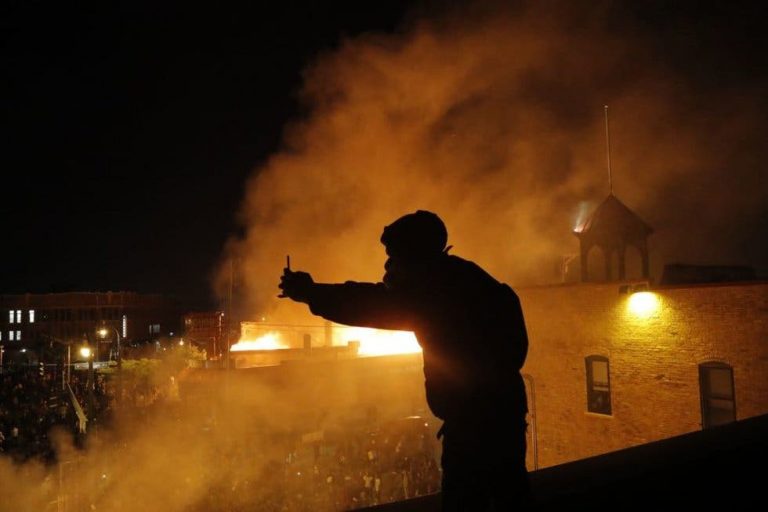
147 144
492 116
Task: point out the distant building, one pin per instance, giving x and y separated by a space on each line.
37 323
207 331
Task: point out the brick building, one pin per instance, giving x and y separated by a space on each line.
207 331
609 369
618 363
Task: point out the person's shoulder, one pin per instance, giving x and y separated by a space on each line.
468 269
462 263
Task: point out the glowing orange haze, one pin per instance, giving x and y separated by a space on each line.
494 120
373 342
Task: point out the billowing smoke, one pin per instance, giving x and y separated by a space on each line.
493 118
221 446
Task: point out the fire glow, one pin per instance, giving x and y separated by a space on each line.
581 216
269 341
372 342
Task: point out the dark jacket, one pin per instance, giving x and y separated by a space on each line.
470 328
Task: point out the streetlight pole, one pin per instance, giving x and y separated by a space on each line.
91 388
69 363
66 371
119 369
103 334
87 353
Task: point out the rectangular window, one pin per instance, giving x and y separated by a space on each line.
598 385
31 316
10 336
10 317
718 400
18 335
18 316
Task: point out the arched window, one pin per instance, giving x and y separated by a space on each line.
598 385
718 400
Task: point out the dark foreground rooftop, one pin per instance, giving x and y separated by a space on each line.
723 467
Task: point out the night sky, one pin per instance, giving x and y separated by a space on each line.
130 128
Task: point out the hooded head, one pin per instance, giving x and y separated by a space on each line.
412 243
418 235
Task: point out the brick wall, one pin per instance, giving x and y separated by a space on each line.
653 362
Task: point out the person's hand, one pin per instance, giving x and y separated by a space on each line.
295 285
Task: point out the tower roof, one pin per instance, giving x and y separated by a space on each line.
613 220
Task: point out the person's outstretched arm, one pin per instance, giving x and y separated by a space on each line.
350 303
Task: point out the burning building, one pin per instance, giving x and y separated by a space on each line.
263 344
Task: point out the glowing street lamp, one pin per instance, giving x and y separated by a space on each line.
103 332
643 304
86 352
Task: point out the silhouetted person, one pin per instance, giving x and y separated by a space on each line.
474 342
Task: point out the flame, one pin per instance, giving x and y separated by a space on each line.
581 216
269 341
375 342
372 342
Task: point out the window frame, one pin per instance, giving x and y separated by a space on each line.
706 398
594 394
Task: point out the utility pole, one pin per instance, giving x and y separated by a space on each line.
608 150
88 353
229 306
68 369
103 333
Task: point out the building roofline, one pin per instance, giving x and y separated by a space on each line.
651 287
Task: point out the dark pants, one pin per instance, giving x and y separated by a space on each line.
484 468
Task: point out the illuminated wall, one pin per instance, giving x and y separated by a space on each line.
654 344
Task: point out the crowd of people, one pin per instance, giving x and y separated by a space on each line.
359 469
34 403
347 469
341 468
